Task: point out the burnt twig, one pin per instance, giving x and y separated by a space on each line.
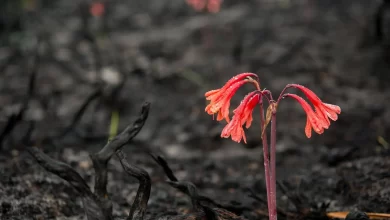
198 201
140 203
90 203
97 205
190 189
167 170
101 158
26 139
14 119
96 94
187 188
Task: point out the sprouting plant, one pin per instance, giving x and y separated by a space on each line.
212 6
317 119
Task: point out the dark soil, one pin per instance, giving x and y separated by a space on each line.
167 54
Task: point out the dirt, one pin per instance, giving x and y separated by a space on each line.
166 53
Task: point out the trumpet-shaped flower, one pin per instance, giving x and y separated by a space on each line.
242 115
318 124
323 110
220 98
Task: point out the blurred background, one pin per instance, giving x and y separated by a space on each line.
66 67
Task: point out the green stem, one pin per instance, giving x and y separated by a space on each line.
114 124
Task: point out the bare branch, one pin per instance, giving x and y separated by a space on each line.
14 119
168 171
100 159
94 95
139 206
92 208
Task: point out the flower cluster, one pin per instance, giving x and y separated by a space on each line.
317 118
212 6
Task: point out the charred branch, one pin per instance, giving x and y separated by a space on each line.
97 205
90 203
101 158
198 201
94 95
14 119
167 170
138 208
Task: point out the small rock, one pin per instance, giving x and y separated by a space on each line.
15 153
111 76
85 164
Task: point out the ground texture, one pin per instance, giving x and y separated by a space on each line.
165 53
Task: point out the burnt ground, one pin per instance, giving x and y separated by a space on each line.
167 54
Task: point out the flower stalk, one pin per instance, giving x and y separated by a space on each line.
265 155
317 120
273 213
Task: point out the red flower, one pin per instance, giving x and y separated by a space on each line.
220 98
318 124
211 5
198 5
97 9
214 5
242 115
323 110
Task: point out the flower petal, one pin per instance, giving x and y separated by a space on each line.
318 124
332 111
214 5
220 98
323 110
253 101
242 115
211 94
308 128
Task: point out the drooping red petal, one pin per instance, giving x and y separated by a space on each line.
221 103
313 98
234 127
318 124
211 94
253 101
323 110
198 5
308 128
235 131
332 111
220 98
242 115
214 6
